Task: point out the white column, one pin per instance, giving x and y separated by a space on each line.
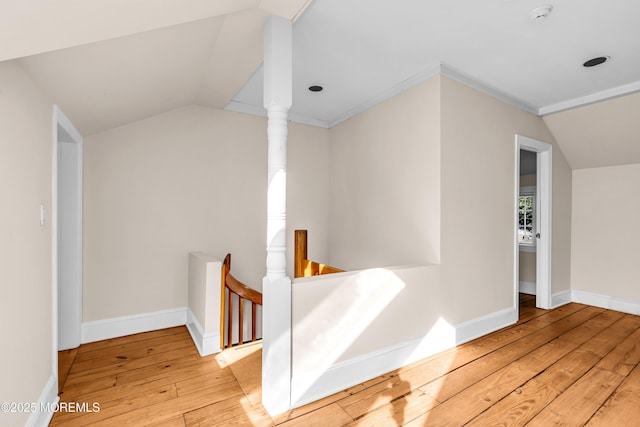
277 191
276 286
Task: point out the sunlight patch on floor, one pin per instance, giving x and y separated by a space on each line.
245 362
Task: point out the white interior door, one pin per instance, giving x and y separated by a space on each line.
68 143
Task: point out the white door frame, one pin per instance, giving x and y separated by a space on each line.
543 218
67 233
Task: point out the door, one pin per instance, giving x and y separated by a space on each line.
68 236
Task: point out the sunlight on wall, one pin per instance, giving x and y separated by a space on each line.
442 336
337 321
276 197
277 224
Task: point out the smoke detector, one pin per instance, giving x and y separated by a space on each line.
539 13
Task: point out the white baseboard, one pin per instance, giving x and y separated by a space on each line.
205 343
48 399
484 325
528 288
128 325
560 298
313 386
605 301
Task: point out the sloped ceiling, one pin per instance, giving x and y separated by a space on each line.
108 63
600 134
37 26
112 62
105 84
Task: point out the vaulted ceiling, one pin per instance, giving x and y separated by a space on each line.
112 62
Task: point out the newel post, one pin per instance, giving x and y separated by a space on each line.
276 286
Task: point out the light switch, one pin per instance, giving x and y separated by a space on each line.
42 215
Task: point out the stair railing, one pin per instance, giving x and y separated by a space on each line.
303 267
234 286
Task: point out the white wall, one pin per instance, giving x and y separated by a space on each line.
26 144
385 183
192 179
308 205
561 248
605 234
402 192
528 180
426 177
350 327
477 250
204 297
527 267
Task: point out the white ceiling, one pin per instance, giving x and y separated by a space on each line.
117 61
360 49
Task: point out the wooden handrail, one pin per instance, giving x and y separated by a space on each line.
244 292
304 267
299 252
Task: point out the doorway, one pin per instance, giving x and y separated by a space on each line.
67 244
541 230
527 227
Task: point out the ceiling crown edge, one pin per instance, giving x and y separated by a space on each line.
582 101
474 83
408 83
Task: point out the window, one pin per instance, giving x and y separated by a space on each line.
526 217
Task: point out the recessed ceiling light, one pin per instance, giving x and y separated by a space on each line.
539 13
315 88
596 61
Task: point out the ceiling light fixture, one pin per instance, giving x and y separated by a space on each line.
539 13
316 88
596 61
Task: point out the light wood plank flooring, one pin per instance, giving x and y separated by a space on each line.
575 365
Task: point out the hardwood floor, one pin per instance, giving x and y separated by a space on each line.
575 365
